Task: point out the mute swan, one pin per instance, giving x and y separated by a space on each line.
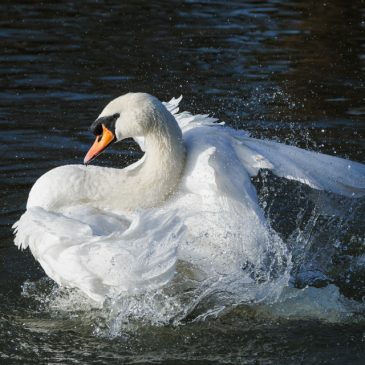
111 231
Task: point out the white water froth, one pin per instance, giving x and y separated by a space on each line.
173 306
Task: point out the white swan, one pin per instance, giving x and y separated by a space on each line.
113 231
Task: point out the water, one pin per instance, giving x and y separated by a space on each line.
290 71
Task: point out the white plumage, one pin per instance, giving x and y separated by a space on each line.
113 232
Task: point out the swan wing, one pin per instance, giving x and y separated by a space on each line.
217 190
94 251
319 171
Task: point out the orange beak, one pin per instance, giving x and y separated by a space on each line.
101 142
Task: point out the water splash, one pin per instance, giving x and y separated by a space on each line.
307 269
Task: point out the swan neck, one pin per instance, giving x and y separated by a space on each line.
163 165
165 150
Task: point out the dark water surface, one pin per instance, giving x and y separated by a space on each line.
286 70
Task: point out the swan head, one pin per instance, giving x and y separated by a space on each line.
128 116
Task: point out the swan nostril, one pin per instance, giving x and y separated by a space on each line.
100 136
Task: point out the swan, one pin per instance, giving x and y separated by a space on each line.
189 199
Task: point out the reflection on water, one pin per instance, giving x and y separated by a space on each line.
292 71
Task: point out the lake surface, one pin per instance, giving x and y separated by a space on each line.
289 71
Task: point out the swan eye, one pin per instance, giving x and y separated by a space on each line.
109 121
98 130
